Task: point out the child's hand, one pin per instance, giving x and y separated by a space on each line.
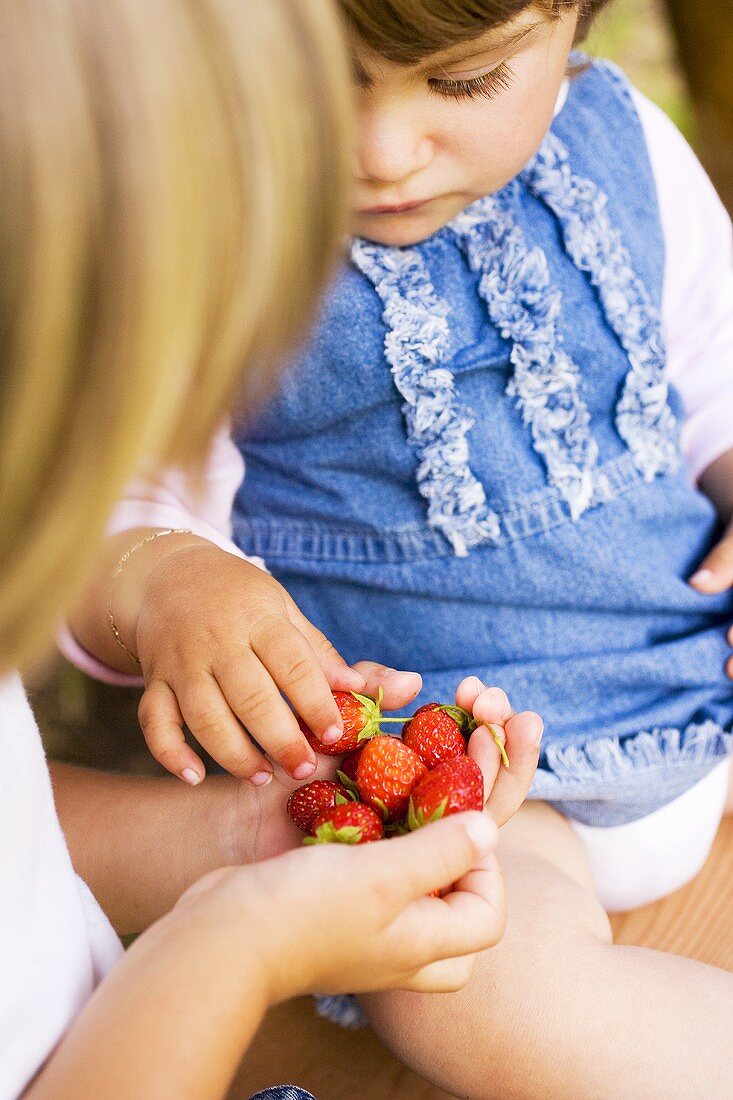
219 640
716 575
335 918
506 788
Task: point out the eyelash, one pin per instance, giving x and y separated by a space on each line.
488 85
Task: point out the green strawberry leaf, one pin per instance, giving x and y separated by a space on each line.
327 834
380 806
466 721
349 784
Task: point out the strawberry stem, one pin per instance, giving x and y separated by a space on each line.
499 744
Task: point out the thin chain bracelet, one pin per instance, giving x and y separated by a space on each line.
118 569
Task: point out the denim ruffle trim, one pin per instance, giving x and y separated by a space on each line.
515 284
620 764
644 419
415 344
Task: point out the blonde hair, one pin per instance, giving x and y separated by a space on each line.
173 186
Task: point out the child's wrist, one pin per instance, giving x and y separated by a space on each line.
130 577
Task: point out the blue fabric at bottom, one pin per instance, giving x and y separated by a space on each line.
283 1092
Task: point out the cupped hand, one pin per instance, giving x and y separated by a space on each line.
715 575
220 642
334 918
505 787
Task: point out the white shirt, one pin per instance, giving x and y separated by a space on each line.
55 941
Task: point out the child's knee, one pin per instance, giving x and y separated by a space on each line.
468 1042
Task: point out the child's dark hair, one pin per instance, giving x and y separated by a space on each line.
405 31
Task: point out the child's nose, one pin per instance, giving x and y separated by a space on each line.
392 147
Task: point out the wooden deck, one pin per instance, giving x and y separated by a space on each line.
295 1046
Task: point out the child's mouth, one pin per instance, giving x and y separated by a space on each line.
401 208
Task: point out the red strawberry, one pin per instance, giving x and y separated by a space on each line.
454 786
434 734
347 772
310 801
350 823
349 764
360 716
385 775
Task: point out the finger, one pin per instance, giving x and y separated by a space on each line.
523 739
398 688
469 919
432 857
482 748
492 707
468 692
294 669
162 724
338 674
716 572
443 976
253 696
214 726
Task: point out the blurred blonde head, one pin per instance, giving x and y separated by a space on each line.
173 187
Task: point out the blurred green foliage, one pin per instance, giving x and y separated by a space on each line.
636 35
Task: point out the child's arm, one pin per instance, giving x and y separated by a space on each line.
218 638
698 323
177 1013
140 842
715 573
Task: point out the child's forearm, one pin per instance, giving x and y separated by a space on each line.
139 842
717 484
89 621
172 1021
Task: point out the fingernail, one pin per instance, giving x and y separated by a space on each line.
261 779
703 576
331 735
303 770
190 776
482 831
498 697
390 672
537 737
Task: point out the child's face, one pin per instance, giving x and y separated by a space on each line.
437 135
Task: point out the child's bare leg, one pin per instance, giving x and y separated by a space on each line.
556 1010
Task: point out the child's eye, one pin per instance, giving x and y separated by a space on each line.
487 85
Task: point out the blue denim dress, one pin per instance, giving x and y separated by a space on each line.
474 468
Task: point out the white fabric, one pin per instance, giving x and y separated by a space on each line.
638 863
55 941
697 302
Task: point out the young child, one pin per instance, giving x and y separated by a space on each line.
484 462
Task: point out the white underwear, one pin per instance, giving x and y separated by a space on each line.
644 860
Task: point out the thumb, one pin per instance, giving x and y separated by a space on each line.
435 856
715 574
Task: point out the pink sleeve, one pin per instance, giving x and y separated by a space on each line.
697 304
172 501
